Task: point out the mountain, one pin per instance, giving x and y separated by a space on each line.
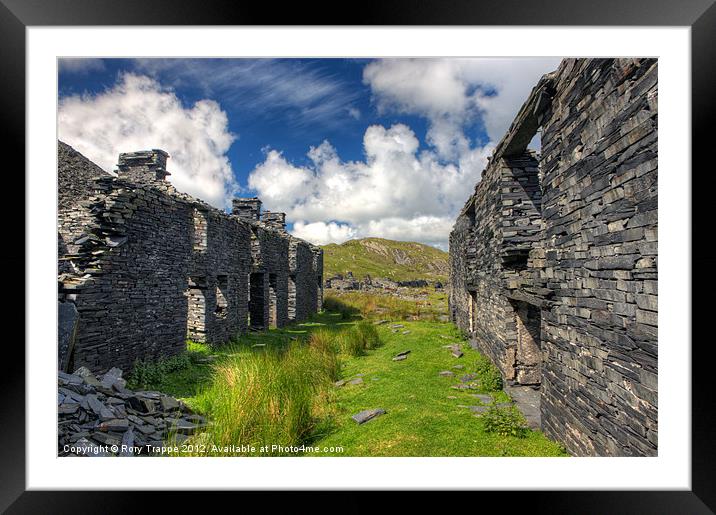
377 257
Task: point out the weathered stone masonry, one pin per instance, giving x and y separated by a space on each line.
554 258
145 267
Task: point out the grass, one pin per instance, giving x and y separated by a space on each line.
424 417
378 257
423 304
267 397
282 392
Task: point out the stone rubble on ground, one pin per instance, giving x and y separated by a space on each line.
366 415
401 356
99 416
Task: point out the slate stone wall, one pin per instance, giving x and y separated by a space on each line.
74 176
269 258
575 255
303 289
148 267
315 293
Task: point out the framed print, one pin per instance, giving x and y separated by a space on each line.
420 248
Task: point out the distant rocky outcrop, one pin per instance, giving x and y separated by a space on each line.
349 282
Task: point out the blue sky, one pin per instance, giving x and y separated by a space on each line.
347 147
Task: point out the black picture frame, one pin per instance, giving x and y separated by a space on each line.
17 15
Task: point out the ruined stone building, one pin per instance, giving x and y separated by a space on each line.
143 267
553 259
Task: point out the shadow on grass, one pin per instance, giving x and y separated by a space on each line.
336 305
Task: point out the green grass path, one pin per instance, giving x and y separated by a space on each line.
422 419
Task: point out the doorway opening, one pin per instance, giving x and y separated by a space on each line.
273 309
528 321
256 301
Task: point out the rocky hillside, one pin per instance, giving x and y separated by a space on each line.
396 260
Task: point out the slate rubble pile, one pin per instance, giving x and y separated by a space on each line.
99 416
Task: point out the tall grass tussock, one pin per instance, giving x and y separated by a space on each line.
277 396
266 397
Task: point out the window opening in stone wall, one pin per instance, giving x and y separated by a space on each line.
470 213
273 310
524 208
292 297
256 301
199 236
222 291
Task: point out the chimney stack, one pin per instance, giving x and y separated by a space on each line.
247 208
275 220
145 166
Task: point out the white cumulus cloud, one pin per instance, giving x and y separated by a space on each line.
137 113
322 233
396 192
452 93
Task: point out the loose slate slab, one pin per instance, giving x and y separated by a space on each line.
118 425
468 377
447 373
168 403
405 332
458 367
339 383
462 387
357 380
380 322
369 414
483 398
127 448
457 354
397 326
401 355
65 379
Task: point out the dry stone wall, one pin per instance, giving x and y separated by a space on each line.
562 294
147 267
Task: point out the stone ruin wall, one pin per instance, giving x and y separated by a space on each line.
303 281
563 296
144 267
